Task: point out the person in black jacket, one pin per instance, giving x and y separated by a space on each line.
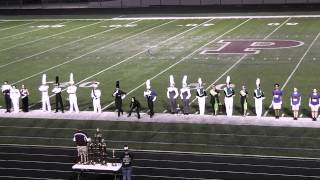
57 91
134 105
24 98
119 95
6 93
81 139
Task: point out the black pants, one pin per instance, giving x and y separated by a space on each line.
150 106
137 110
25 104
7 99
118 103
59 101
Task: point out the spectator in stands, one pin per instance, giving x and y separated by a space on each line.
81 139
126 160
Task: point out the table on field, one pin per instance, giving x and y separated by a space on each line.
109 167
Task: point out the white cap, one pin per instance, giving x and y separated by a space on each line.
125 147
148 86
44 79
184 81
71 79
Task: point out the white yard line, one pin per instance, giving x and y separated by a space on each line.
295 69
182 153
72 42
18 25
38 170
230 164
174 17
39 162
46 37
164 132
25 177
172 143
232 172
34 30
120 62
65 62
182 59
244 56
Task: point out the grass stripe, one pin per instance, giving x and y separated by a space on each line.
295 69
182 59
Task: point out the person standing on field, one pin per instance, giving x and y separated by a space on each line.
96 95
6 88
228 98
295 102
258 98
314 104
24 98
277 100
73 100
244 100
214 100
172 94
44 88
185 95
15 98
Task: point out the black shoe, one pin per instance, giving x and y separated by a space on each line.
295 118
277 117
314 119
139 117
129 115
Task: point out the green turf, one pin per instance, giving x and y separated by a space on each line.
97 47
90 47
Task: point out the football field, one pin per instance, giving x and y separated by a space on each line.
133 51
276 49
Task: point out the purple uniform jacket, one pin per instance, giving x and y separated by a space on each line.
295 98
277 95
314 99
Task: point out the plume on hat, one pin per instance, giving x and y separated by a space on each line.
184 81
228 80
171 80
148 85
199 82
44 79
71 79
258 82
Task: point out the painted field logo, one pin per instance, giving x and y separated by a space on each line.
251 46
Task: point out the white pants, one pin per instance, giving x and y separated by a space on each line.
258 106
202 104
96 105
15 104
228 101
46 103
73 103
